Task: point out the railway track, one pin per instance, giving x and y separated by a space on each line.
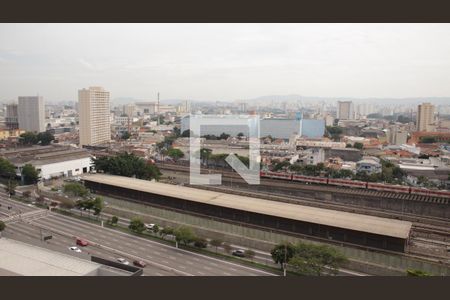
424 220
318 187
429 235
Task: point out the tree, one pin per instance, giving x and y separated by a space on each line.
2 227
216 243
200 243
282 253
67 203
166 231
358 145
186 133
126 135
281 165
176 154
155 229
310 259
375 116
28 138
184 235
128 165
422 180
227 248
7 169
44 138
413 272
240 135
224 136
403 119
75 189
205 155
29 174
428 139
334 130
249 253
136 225
10 187
98 205
114 220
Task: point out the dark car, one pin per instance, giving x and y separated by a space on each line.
82 243
239 253
139 263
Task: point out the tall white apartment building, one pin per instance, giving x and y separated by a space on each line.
425 117
31 113
345 110
94 116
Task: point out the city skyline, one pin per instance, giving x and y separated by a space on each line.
218 62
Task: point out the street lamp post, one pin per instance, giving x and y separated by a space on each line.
285 258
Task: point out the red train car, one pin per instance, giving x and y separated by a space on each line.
431 193
388 187
276 175
347 183
309 179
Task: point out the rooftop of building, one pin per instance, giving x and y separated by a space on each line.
27 260
351 221
40 155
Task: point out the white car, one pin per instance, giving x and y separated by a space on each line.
149 226
76 249
123 261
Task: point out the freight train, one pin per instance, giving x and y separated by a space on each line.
355 184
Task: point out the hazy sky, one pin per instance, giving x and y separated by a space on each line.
225 61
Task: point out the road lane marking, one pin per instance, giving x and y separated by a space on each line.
66 219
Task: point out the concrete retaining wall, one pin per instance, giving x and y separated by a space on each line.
378 263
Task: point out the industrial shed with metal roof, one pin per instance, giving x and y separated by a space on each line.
361 230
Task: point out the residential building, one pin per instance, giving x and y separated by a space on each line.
345 110
129 110
369 165
397 136
425 117
12 116
94 116
31 113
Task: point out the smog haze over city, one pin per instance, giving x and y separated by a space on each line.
226 62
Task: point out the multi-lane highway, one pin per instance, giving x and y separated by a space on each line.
108 243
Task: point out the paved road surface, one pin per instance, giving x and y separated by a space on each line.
161 258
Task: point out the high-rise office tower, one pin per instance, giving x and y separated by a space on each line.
425 117
31 113
345 110
94 116
12 116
